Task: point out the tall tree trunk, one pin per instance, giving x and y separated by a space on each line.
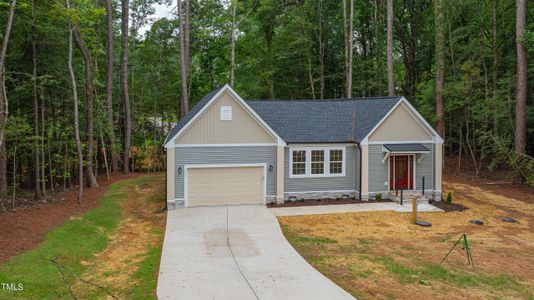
76 121
42 146
124 87
232 45
389 48
104 153
89 94
521 85
348 45
351 37
186 32
4 107
321 50
440 65
378 46
109 88
36 154
184 104
494 48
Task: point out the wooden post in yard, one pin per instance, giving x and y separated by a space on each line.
414 209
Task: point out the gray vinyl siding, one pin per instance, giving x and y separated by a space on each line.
378 171
225 155
425 168
346 182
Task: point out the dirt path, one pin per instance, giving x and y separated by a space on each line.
140 231
381 255
24 229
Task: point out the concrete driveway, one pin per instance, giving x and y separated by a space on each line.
235 252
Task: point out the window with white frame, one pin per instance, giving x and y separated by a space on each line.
317 161
298 162
336 161
226 113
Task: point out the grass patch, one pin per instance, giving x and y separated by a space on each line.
146 277
314 240
427 272
70 244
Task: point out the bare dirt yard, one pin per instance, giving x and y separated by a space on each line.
382 255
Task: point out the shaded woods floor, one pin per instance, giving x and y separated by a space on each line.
112 249
24 229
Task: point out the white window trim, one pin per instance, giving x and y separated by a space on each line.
326 150
226 113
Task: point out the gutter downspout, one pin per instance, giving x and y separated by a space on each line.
360 187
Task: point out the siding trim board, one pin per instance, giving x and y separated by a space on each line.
220 145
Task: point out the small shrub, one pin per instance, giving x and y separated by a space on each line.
338 198
449 197
378 196
301 199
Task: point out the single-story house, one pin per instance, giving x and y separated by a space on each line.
230 151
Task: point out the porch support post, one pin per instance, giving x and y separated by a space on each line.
170 175
365 172
280 163
438 169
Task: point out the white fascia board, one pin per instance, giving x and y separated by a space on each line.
226 87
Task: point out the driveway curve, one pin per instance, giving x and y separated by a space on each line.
235 252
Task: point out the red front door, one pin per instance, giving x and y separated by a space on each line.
401 172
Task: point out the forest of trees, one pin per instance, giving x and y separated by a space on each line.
90 87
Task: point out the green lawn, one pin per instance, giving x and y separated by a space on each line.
74 242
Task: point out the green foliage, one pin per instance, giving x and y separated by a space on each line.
285 50
504 154
378 196
449 197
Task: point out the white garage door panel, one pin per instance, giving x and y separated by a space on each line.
228 185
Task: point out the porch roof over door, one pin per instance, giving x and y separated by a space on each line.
406 148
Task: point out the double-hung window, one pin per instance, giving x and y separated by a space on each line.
299 162
317 161
336 161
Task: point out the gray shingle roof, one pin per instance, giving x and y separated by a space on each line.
200 104
312 121
406 148
323 121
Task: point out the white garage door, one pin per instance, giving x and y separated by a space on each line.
228 185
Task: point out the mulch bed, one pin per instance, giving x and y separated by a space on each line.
24 229
446 206
329 201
